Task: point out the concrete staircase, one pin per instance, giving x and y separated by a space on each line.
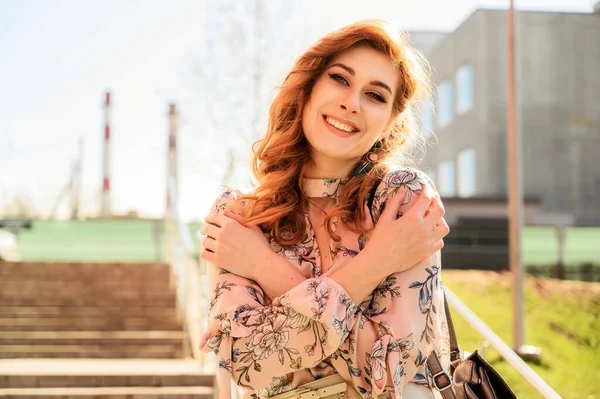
104 330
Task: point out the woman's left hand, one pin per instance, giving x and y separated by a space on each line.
232 246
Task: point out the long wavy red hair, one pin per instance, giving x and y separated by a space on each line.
280 158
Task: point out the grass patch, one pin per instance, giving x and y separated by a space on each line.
96 241
540 246
90 240
561 317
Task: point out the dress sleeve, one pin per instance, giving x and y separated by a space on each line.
256 341
401 322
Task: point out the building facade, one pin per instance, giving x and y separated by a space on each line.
558 101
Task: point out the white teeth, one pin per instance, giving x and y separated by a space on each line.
339 125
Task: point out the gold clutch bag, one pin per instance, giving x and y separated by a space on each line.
332 387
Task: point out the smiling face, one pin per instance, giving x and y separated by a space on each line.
350 108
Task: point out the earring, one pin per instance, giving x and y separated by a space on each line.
368 161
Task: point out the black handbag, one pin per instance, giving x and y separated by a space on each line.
472 378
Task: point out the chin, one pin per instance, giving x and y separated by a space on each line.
333 154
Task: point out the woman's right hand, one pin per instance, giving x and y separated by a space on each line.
399 243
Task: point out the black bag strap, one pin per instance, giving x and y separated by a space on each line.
454 349
441 379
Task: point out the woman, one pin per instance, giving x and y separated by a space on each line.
328 272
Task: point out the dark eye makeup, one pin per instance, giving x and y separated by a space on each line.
339 78
343 81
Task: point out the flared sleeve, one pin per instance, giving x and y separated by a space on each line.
403 319
256 341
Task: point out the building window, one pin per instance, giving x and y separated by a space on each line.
444 103
427 118
445 175
466 173
464 88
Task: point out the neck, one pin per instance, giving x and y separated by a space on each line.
323 188
326 168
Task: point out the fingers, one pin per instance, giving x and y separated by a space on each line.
436 211
390 212
209 256
441 229
214 225
234 216
216 219
221 219
423 201
438 246
436 220
210 230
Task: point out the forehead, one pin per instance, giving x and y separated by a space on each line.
369 64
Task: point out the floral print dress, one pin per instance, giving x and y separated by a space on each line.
270 346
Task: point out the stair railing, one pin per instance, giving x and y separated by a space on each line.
189 277
505 351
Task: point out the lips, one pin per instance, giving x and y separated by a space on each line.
341 124
336 131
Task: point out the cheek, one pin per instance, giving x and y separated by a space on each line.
379 119
320 93
306 118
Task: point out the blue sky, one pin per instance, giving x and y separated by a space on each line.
59 57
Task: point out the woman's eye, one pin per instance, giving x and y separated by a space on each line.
377 97
339 78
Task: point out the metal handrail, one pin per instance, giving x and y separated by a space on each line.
191 281
505 351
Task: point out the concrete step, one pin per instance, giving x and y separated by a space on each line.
56 284
85 311
95 271
93 351
84 301
106 338
158 315
112 392
39 373
67 323
104 380
41 291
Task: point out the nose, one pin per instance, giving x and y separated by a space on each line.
351 102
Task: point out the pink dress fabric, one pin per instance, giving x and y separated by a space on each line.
270 346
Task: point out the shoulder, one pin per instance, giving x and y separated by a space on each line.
412 180
226 200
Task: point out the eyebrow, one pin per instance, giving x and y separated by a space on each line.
373 82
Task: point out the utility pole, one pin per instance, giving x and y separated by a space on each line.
515 201
515 194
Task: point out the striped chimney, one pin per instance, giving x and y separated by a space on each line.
105 196
172 157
